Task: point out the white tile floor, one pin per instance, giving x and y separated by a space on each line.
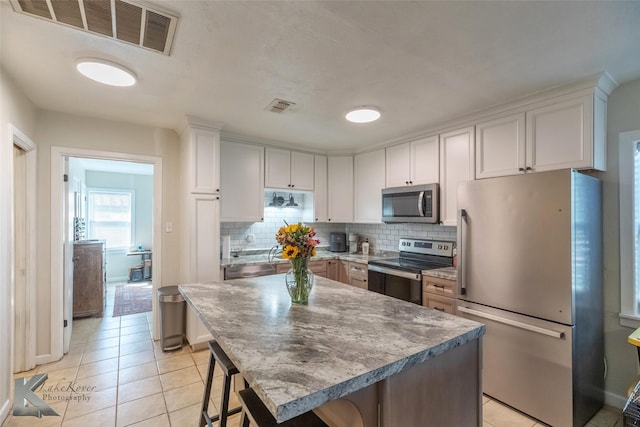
129 381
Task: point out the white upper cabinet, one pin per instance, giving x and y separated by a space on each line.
201 148
398 159
340 188
320 191
566 131
425 160
560 135
413 163
369 182
500 146
456 165
288 169
241 182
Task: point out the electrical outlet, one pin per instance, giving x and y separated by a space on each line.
168 227
250 238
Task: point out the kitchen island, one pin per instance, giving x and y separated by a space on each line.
400 364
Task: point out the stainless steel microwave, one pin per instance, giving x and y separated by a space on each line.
415 203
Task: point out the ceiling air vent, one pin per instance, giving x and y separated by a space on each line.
118 19
279 105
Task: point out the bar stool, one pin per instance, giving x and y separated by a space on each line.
229 369
254 412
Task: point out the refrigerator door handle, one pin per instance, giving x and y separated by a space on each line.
462 223
421 204
514 323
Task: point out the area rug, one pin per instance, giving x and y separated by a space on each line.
132 298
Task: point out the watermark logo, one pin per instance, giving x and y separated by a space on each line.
24 394
27 403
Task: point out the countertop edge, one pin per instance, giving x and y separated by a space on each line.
291 409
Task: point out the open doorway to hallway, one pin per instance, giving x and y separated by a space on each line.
109 229
62 238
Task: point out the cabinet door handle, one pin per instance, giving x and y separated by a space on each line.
521 169
438 308
438 286
529 168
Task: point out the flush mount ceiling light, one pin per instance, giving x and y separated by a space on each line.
105 72
363 115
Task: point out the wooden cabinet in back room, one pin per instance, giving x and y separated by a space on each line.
89 278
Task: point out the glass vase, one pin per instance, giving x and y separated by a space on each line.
299 281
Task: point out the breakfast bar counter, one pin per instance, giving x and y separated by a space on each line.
399 363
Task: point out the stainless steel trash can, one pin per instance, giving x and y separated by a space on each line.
172 318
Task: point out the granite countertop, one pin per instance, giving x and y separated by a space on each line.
448 273
298 357
263 258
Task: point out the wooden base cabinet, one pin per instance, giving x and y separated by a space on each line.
317 267
89 276
439 294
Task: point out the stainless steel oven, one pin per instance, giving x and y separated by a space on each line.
396 283
402 277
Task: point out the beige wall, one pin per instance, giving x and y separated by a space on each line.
17 110
622 359
64 130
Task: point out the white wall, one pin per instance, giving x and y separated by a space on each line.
623 115
64 130
17 110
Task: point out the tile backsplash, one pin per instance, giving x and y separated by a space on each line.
382 237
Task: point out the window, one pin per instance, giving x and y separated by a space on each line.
629 164
111 217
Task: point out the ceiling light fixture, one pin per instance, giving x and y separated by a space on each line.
363 115
108 73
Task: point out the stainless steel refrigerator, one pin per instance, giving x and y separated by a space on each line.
530 269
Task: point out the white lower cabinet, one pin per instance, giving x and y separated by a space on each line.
196 331
456 165
203 247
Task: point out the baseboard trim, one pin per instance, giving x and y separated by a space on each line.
4 411
614 400
44 358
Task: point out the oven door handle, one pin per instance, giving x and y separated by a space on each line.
393 272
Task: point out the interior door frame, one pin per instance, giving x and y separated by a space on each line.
28 329
58 227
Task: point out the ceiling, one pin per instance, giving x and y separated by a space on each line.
422 63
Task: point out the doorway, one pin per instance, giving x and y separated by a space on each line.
68 202
110 202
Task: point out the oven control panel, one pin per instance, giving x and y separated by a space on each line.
427 247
